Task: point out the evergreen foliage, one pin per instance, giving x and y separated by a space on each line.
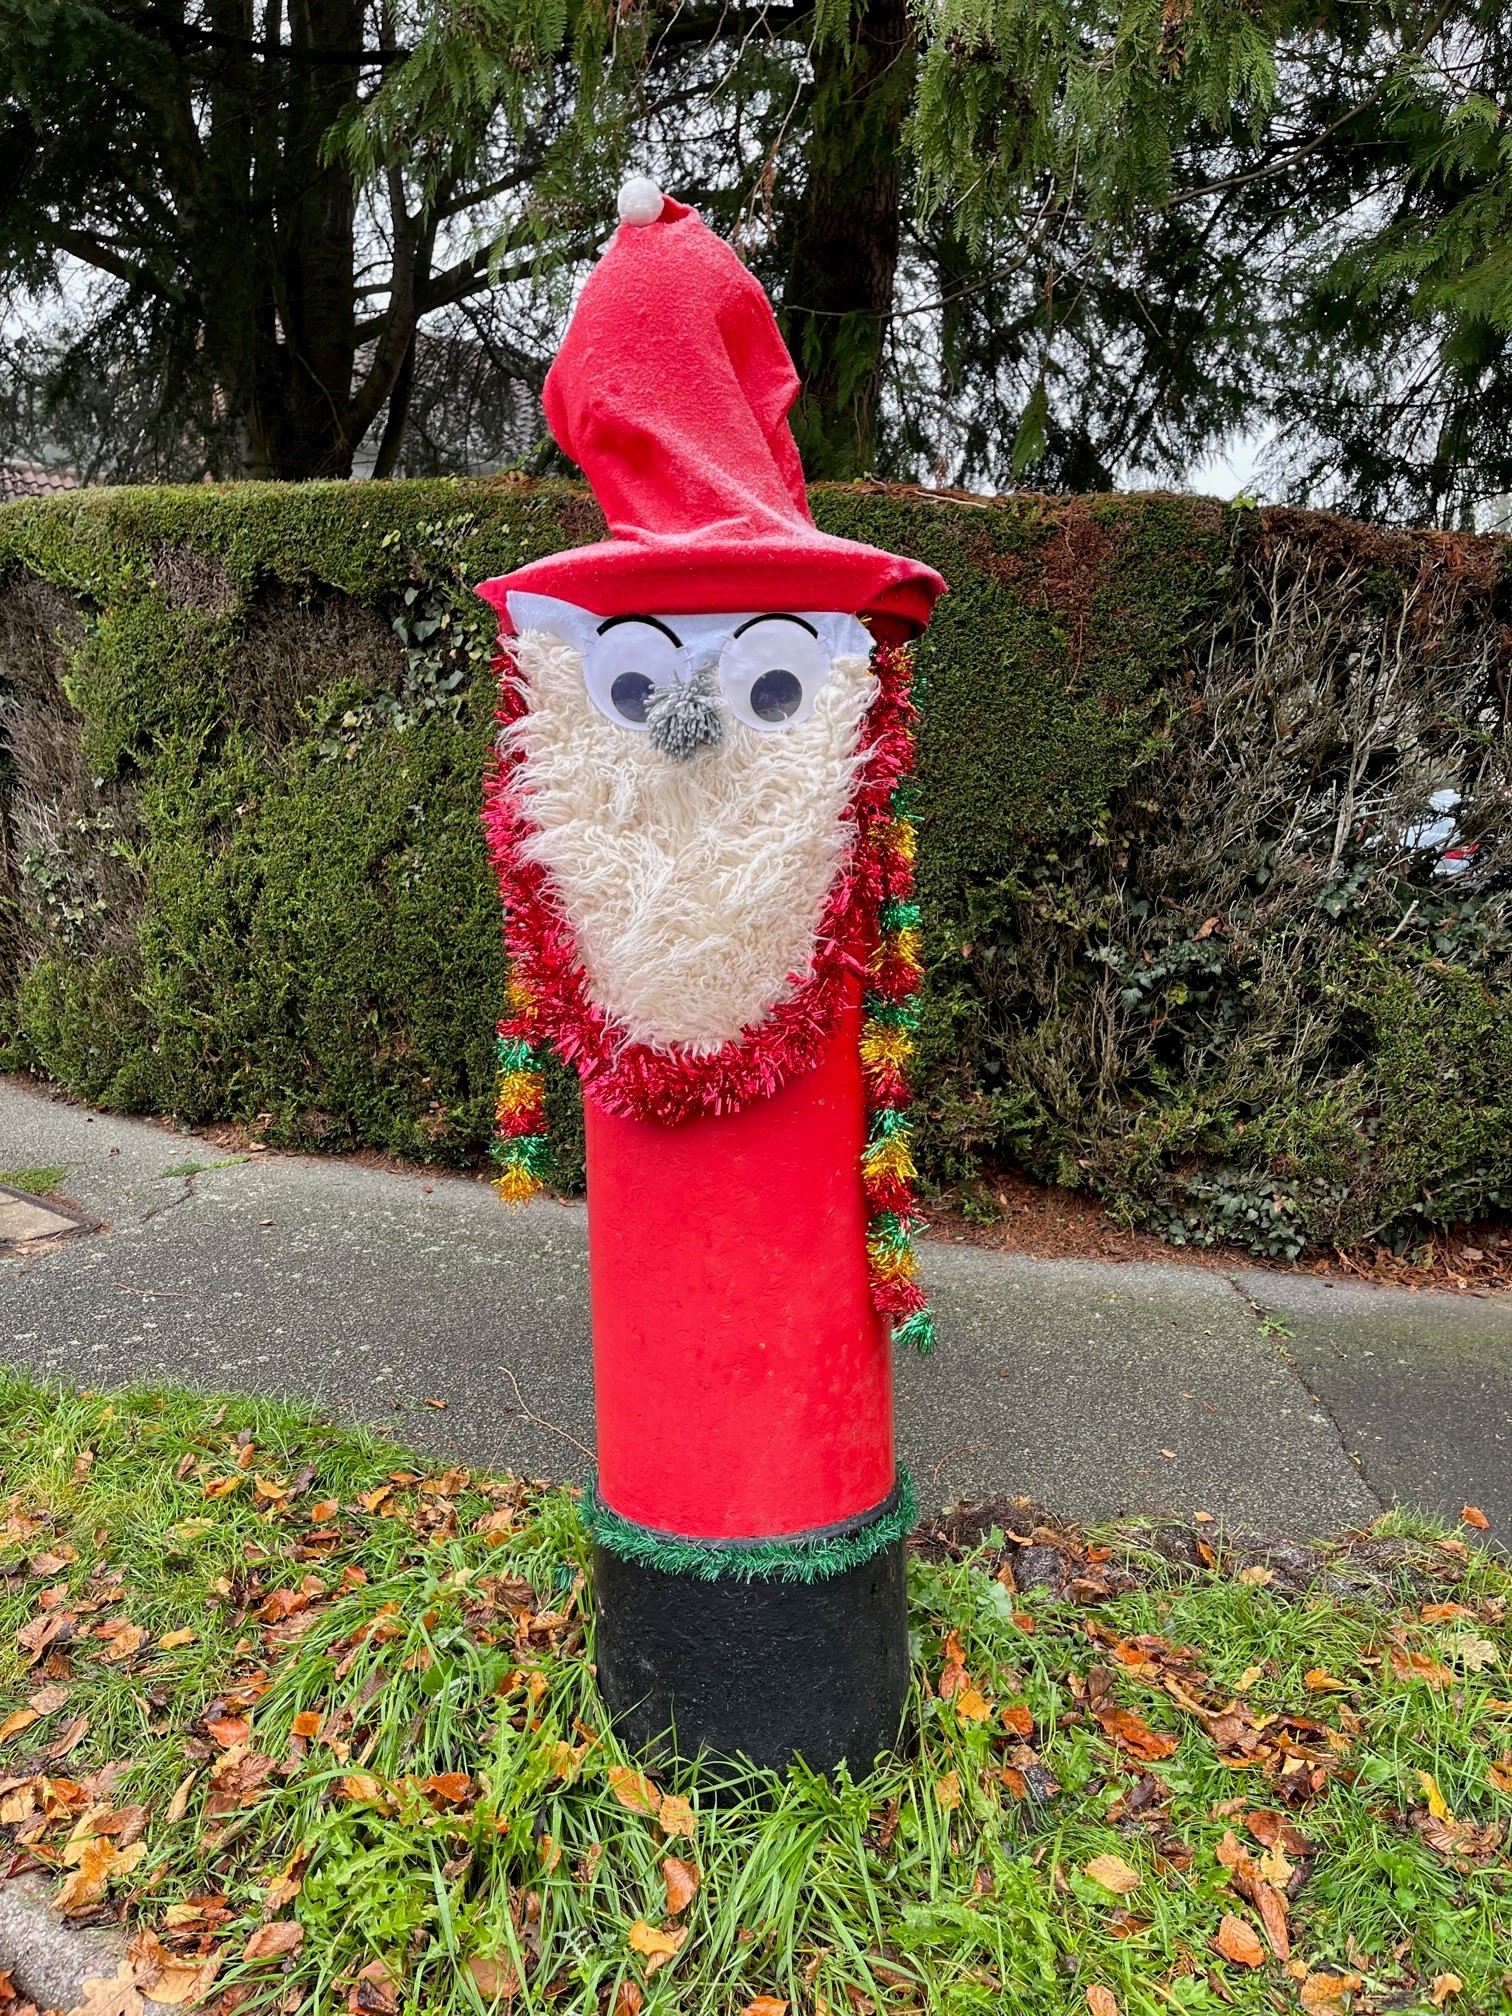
1085 241
1189 941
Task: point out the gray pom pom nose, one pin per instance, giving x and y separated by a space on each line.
684 717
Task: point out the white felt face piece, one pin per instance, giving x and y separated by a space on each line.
694 888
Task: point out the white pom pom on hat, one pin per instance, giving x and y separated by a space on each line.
640 201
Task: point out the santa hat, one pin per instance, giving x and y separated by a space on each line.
671 392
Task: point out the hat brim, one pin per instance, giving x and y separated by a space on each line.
715 572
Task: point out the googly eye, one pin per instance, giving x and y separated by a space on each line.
771 671
628 657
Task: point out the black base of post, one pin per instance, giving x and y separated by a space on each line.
763 1670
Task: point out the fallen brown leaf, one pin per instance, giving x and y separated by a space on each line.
676 1817
634 1790
1101 2001
1131 1733
1113 1873
655 1948
1238 1941
74 1734
1472 1515
374 1992
166 1977
1272 1908
972 1705
450 1787
273 1942
1274 1830
496 1980
1325 1992
100 1863
1409 1665
115 1996
178 1805
1444 1985
947 1791
16 1721
681 1879
765 2005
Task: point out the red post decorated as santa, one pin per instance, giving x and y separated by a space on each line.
700 821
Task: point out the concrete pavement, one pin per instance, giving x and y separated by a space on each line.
1092 1386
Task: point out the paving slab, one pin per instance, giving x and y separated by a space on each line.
1418 1385
1093 1386
24 1217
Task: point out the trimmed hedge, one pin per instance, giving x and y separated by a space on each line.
1182 945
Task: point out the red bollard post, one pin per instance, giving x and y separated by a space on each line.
699 817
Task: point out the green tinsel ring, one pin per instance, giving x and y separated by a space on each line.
530 1152
886 1121
800 1559
918 1332
894 1014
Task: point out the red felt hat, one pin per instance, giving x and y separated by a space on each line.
671 392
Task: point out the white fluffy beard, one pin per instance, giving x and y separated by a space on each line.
694 889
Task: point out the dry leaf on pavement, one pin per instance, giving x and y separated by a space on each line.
1238 1941
115 1996
167 1978
1472 1515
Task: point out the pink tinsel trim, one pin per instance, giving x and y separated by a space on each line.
641 1082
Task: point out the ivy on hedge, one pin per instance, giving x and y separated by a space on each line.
1182 947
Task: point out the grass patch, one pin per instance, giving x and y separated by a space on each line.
36 1182
321 1723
